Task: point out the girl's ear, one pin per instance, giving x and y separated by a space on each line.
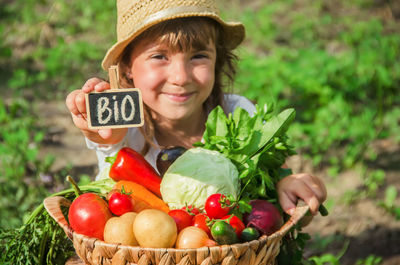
129 75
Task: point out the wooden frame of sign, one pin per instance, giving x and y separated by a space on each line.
114 108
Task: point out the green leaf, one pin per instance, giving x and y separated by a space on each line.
271 128
244 206
216 123
243 123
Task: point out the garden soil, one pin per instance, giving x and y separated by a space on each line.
360 229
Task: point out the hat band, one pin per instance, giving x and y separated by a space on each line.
174 12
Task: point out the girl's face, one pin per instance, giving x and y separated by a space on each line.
174 84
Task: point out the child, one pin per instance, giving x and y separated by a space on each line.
179 54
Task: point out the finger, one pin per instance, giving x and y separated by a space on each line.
314 184
80 102
105 133
103 85
80 122
313 203
90 84
317 187
304 192
309 197
288 202
70 102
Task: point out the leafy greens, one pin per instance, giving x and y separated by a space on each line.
257 145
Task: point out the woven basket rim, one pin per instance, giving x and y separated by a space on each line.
261 240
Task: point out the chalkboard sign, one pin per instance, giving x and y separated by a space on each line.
114 108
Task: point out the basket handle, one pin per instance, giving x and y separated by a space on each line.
53 207
300 211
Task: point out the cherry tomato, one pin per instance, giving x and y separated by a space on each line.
182 218
88 215
120 203
217 206
191 210
236 223
200 221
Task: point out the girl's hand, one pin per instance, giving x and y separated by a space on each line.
304 186
76 104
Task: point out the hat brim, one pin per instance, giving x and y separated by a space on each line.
234 33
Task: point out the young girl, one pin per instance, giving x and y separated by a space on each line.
179 54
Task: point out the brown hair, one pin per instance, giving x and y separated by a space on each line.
182 34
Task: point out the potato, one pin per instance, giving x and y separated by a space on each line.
155 229
119 230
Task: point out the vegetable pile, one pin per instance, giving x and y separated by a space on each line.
187 227
220 192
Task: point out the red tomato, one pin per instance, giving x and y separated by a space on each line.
217 206
111 193
182 218
120 203
200 221
236 223
191 210
88 214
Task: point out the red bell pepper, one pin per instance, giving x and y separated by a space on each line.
130 165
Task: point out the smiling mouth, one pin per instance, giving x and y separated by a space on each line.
179 97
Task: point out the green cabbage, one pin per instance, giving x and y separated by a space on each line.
197 174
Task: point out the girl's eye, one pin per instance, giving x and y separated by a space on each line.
200 56
158 56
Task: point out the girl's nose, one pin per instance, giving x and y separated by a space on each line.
179 72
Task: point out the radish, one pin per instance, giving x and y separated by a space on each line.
264 216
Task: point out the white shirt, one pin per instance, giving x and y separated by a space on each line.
135 140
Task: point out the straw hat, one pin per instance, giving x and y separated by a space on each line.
135 16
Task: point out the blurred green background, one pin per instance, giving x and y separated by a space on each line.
336 62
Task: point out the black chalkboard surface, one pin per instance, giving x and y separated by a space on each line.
115 108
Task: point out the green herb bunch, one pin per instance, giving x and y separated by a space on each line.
41 240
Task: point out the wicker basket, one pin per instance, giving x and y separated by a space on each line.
94 251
